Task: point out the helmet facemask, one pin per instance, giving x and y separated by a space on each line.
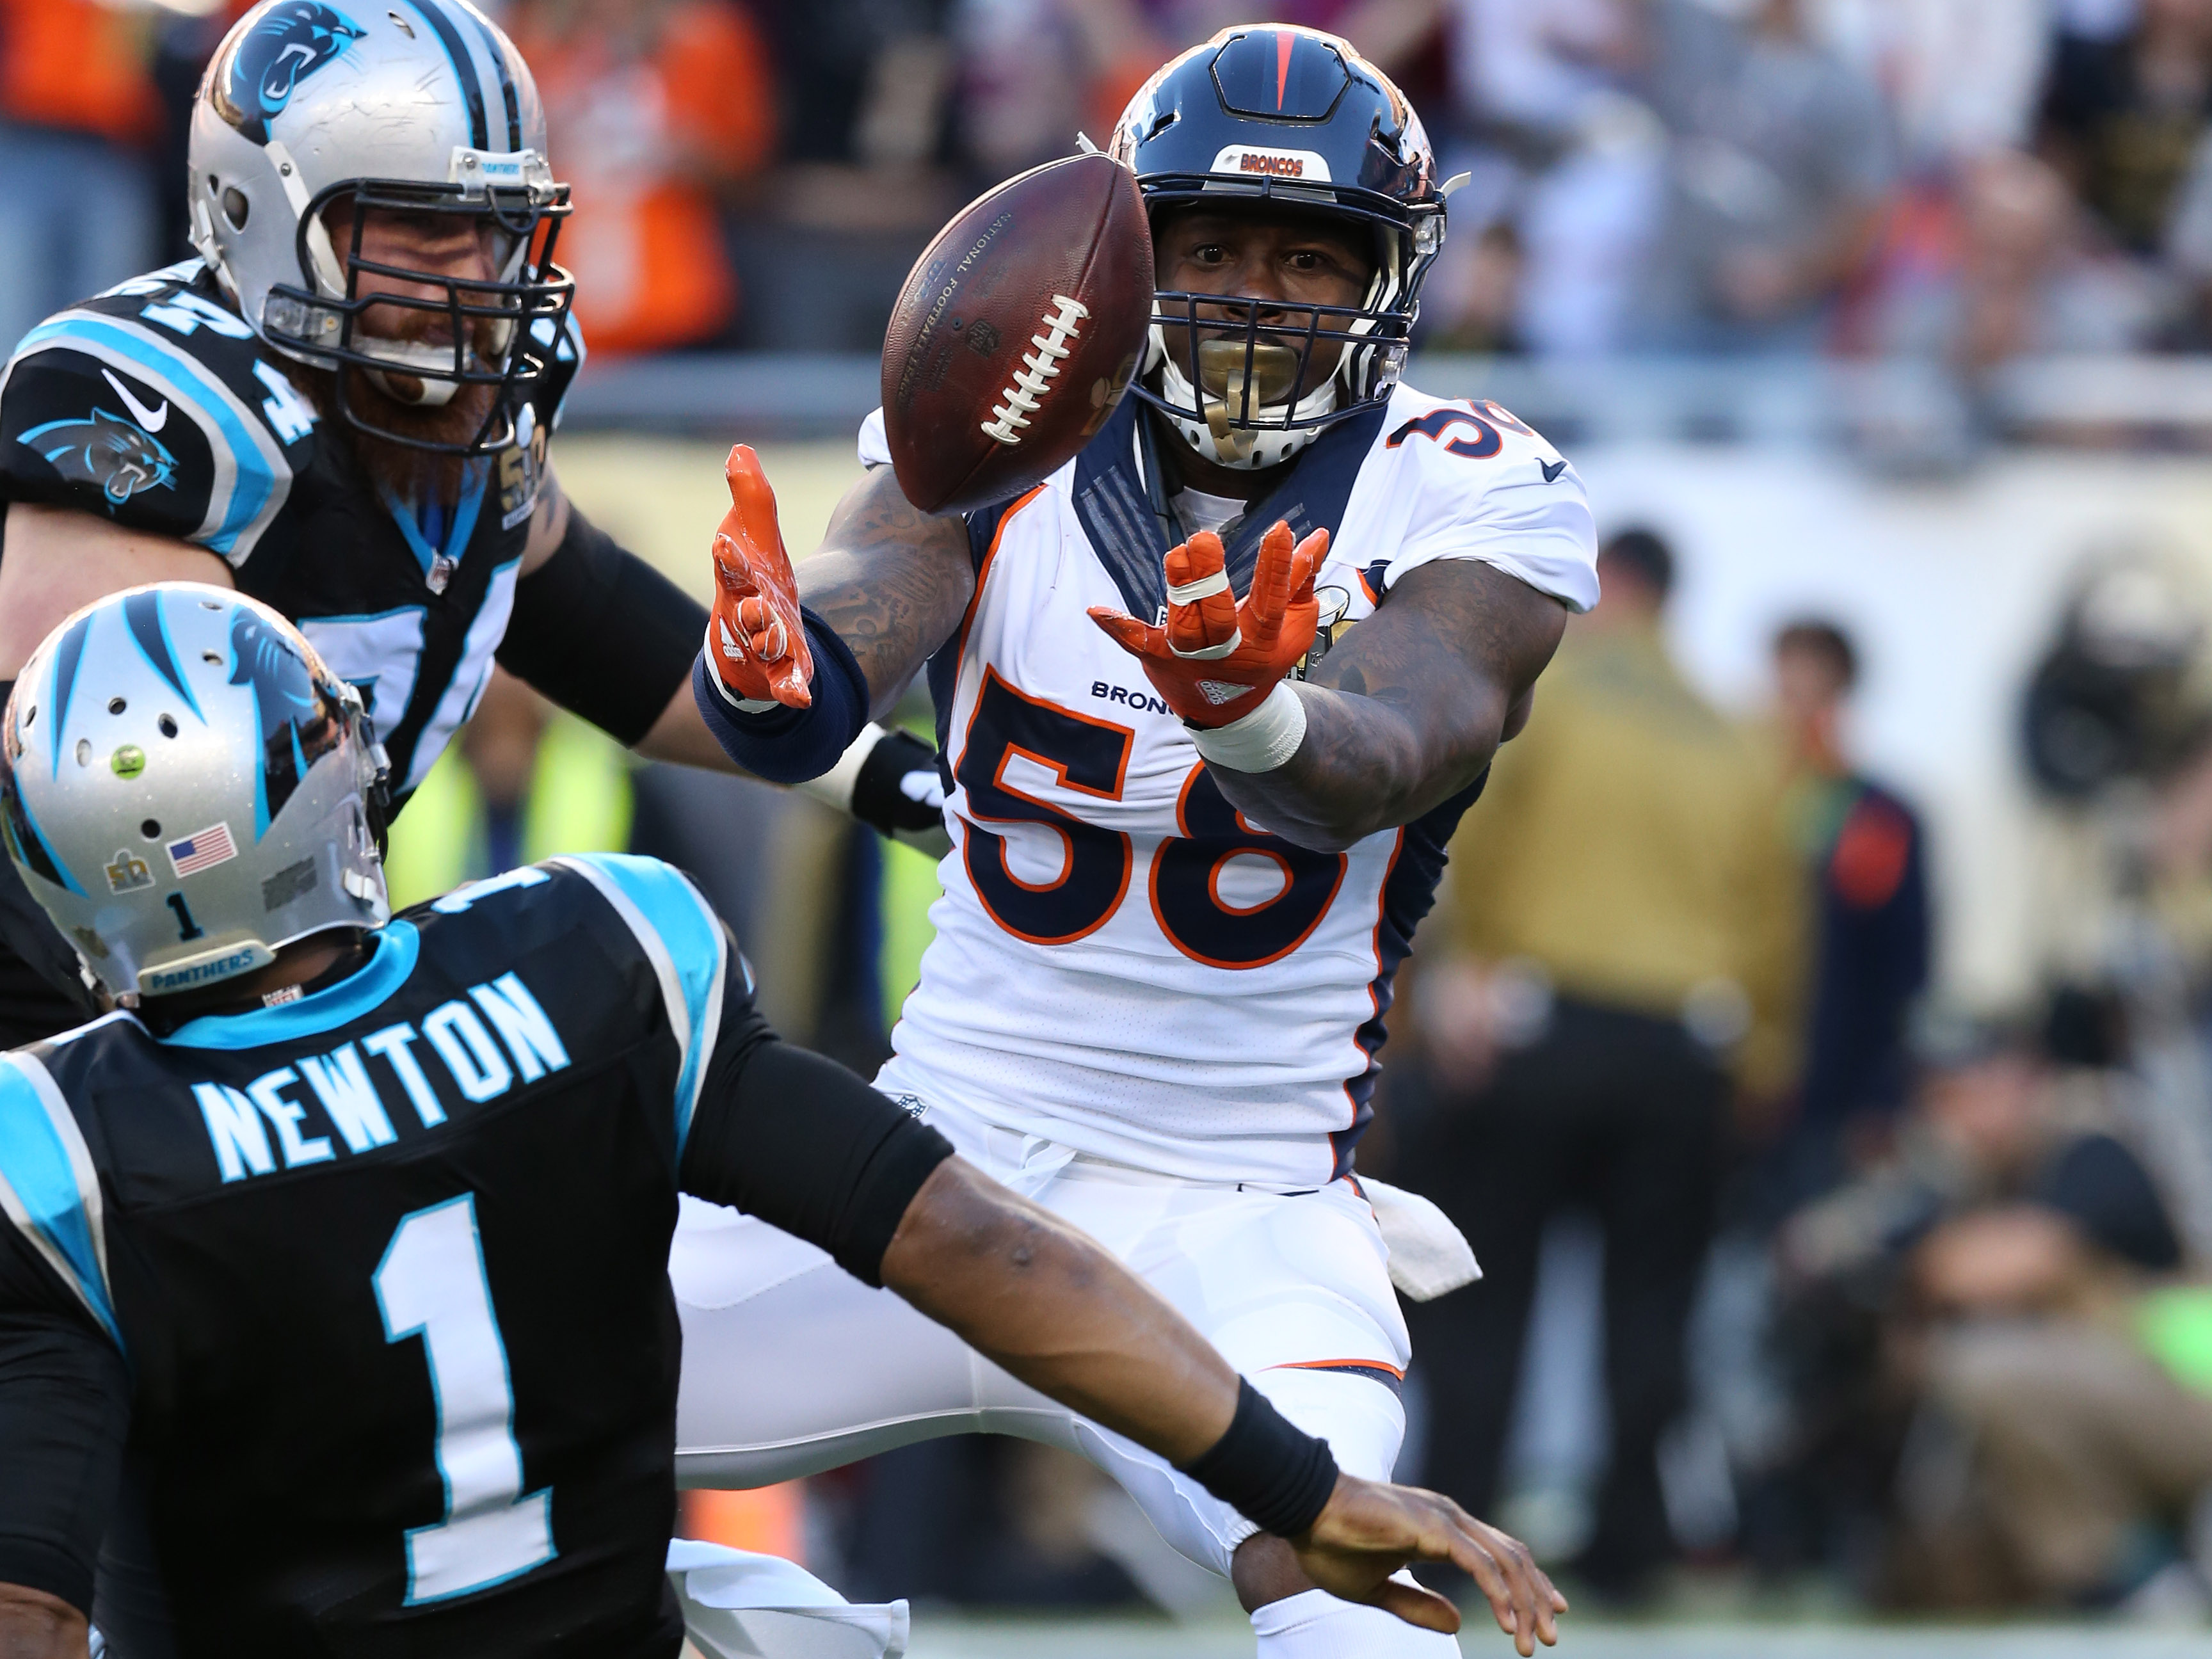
421 348
1251 355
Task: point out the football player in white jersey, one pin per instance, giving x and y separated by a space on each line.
1192 835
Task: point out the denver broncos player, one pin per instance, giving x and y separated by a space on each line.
342 407
354 1228
1194 834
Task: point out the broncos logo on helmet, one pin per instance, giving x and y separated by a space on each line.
120 457
290 43
300 723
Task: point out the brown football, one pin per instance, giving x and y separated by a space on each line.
1016 334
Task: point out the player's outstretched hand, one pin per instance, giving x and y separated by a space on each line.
1369 1530
756 641
1216 661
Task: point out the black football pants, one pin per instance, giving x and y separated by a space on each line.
1619 1114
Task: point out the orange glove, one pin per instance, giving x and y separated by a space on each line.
756 640
1216 660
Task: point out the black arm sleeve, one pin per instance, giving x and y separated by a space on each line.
64 1413
802 1143
602 633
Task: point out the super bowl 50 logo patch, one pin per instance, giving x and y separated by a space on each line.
103 448
129 873
289 44
520 466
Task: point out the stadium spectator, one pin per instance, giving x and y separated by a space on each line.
1998 260
659 108
863 81
1978 1316
1781 165
1565 169
2123 116
1616 959
1865 854
1962 77
77 110
1032 72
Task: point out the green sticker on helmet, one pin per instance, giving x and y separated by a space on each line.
129 761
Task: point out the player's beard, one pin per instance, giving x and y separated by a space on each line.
411 474
399 469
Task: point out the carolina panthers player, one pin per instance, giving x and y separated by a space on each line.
354 1228
1193 835
342 407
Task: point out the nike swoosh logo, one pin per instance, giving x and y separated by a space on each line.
1551 469
152 419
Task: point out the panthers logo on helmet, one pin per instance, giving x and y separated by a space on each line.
290 43
299 722
119 455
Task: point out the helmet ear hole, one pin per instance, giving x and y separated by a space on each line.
235 207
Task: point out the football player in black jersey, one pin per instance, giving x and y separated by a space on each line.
341 1242
341 407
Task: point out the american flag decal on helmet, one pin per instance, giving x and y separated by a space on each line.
203 849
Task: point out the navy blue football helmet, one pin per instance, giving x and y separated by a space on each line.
1291 116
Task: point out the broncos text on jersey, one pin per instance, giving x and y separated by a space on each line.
154 406
1123 964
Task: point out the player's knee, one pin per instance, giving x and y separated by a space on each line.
1265 1570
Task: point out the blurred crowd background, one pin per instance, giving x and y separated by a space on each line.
1814 1034
1964 179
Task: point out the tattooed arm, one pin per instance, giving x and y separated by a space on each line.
1408 708
891 580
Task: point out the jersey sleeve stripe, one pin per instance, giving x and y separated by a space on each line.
48 1186
684 941
252 476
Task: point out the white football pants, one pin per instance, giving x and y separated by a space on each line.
792 1366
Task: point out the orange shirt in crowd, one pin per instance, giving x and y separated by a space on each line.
80 66
653 105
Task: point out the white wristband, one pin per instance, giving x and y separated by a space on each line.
1261 740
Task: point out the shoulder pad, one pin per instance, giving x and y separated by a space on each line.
1469 480
551 394
154 406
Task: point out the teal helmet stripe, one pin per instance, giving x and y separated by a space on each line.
68 654
149 629
465 67
31 845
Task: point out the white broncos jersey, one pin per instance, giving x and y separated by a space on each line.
1123 964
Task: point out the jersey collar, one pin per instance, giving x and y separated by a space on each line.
1120 498
438 536
358 994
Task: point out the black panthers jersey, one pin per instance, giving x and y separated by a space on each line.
387 1264
155 406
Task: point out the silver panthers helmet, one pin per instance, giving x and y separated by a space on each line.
420 108
185 788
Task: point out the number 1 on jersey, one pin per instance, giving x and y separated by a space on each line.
431 1284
